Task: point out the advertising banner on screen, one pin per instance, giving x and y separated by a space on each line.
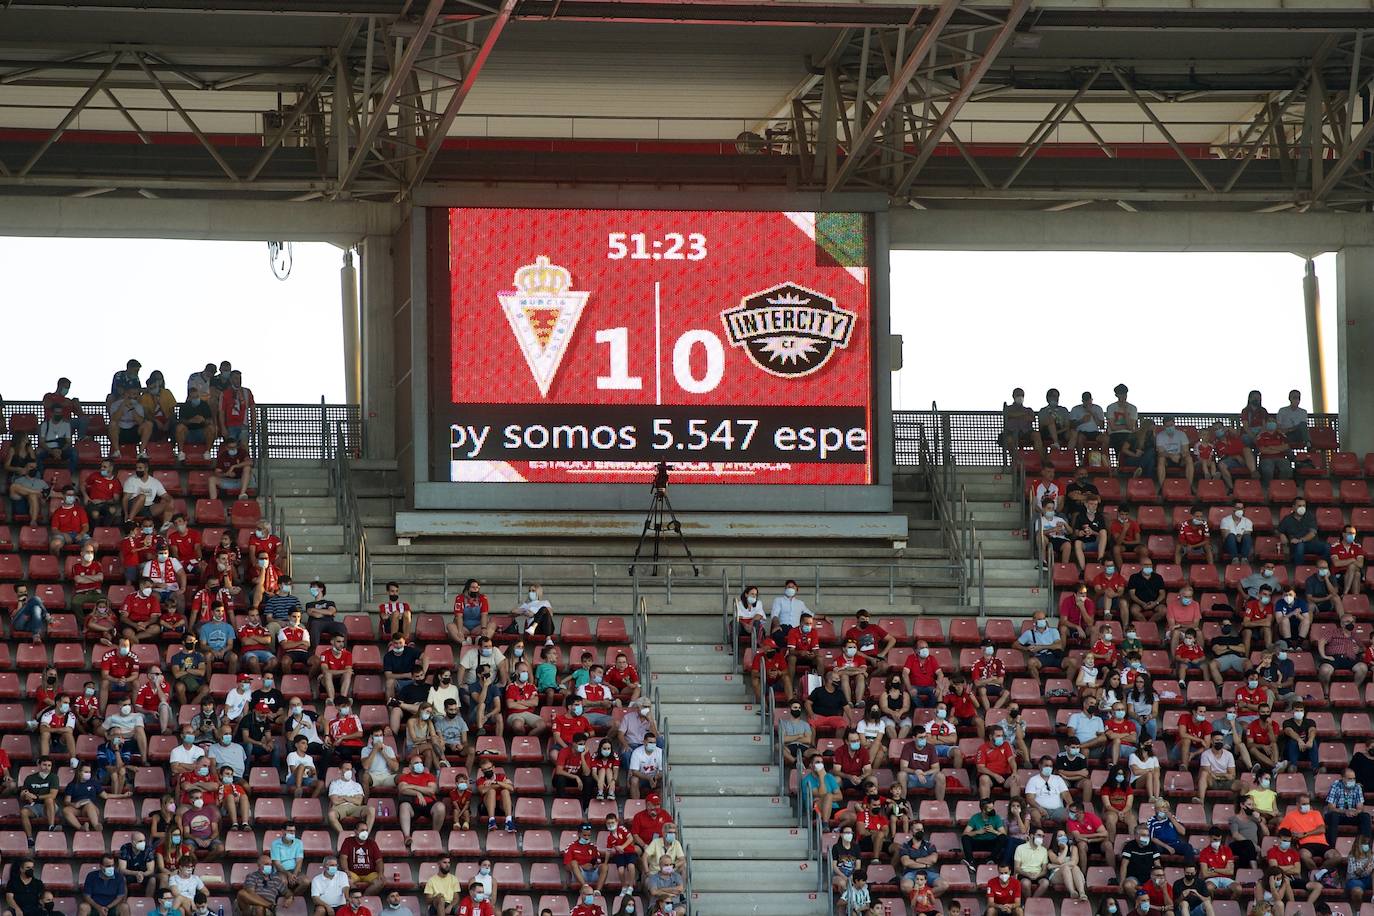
588 345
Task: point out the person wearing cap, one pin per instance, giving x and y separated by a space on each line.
237 701
582 859
1122 419
255 731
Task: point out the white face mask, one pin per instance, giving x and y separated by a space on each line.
790 592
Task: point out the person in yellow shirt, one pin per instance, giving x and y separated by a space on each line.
159 408
442 889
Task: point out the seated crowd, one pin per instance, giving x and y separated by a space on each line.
1172 737
185 698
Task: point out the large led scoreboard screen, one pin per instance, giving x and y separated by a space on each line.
585 346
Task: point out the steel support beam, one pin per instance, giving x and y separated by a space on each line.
1164 131
435 140
895 92
186 118
1343 164
966 88
399 77
70 116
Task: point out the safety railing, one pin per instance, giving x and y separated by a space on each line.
272 511
949 500
972 438
346 509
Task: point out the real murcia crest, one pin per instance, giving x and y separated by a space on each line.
543 310
788 330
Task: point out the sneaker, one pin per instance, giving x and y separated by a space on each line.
510 825
491 823
626 891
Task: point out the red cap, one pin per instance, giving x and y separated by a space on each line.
654 798
245 678
768 644
263 706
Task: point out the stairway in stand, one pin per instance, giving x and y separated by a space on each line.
748 856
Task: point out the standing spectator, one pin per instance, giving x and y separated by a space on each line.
237 415
1298 533
1172 450
1292 421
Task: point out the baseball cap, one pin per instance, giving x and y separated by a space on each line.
654 798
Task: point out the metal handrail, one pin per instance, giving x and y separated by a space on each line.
346 508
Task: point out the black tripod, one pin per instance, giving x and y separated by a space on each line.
661 518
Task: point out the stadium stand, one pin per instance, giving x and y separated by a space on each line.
180 720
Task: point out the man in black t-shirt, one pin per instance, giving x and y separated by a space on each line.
195 424
1145 591
1226 652
38 797
1138 858
25 889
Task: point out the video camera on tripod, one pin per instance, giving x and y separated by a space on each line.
661 518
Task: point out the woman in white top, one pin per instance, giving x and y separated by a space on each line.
484 878
534 617
1145 769
749 614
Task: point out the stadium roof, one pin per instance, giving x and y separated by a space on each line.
1011 104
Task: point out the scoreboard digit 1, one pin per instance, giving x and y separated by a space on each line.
588 345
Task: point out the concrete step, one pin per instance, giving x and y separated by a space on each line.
703 811
767 904
676 662
740 876
695 688
725 779
724 749
722 842
714 718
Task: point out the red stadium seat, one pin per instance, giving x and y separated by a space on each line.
1140 490
245 513
1212 492
1176 490
33 538
611 630
1355 493
1319 492
1344 464
1282 491
1152 518
210 512
44 567
170 480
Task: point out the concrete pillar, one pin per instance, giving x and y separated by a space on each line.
1355 343
353 350
378 358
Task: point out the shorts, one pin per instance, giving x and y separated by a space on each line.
1366 883
527 719
1118 439
350 810
383 779
921 780
1221 782
129 436
35 810
1222 884
1172 459
623 859
1342 664
67 537
298 656
931 875
230 483
966 721
258 655
421 809
1058 815
992 690
944 750
306 783
356 879
196 435
1231 662
1050 658
590 875
1316 849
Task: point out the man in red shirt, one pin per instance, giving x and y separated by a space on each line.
68 524
334 661
1217 861
768 664
1284 854
1190 655
804 645
1109 590
586 903
1194 733
961 704
1121 733
101 492
582 859
1251 695
361 860
922 675
1258 618
236 417
852 763
475 903
1004 894
1347 561
1261 738
233 469
996 763
872 640
88 579
138 612
522 704
118 671
262 542
344 732
1123 535
990 678
649 822
417 793
1194 539
354 906
624 679
185 545
567 725
1105 650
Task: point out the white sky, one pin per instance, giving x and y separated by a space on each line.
1072 320
92 304
1183 331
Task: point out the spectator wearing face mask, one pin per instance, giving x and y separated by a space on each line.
104 891
666 888
1216 769
1172 451
145 496
1308 829
69 525
1274 454
262 890
1004 894
1342 652
100 491
329 889
787 611
1298 533
1359 871
361 860
1145 592
586 903
1347 562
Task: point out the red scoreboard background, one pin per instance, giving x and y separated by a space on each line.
587 345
